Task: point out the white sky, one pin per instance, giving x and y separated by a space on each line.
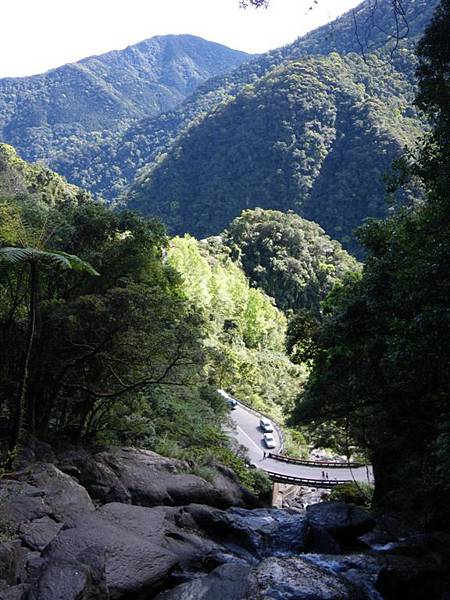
40 34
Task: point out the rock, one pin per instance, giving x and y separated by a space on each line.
38 533
416 567
157 525
35 451
345 522
132 563
406 578
376 539
20 503
69 580
394 525
16 592
96 476
294 578
227 484
226 582
435 545
319 540
360 570
145 478
62 496
260 531
12 562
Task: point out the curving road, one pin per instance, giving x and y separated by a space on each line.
247 432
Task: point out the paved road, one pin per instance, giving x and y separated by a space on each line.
248 434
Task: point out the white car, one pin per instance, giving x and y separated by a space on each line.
266 425
269 440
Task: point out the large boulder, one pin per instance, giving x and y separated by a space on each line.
416 567
69 580
226 582
345 522
145 478
135 562
96 475
15 592
157 525
20 503
260 531
275 578
39 502
293 578
13 558
53 493
38 534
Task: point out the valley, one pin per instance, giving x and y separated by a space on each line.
222 273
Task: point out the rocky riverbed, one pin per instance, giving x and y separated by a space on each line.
130 524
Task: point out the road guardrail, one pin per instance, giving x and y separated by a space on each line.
317 483
316 463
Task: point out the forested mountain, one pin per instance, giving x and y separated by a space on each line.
314 136
41 114
291 259
134 353
106 162
381 357
21 180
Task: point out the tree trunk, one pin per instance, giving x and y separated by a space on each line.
18 431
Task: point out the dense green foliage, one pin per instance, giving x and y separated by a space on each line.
118 357
382 357
246 332
47 116
291 259
135 355
314 136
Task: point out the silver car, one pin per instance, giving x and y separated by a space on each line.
269 440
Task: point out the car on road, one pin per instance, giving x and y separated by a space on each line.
266 425
269 440
232 402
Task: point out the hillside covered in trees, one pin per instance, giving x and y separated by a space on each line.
77 104
107 162
291 259
314 136
381 355
130 333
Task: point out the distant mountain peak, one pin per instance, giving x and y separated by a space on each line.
107 91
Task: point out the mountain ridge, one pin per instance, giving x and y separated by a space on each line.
106 91
122 156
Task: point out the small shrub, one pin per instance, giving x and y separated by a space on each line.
355 493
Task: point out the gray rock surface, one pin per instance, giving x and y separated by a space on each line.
68 580
293 578
37 534
226 582
261 531
65 547
15 592
133 562
345 522
145 478
61 495
12 562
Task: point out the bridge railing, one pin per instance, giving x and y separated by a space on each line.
317 483
275 424
316 463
